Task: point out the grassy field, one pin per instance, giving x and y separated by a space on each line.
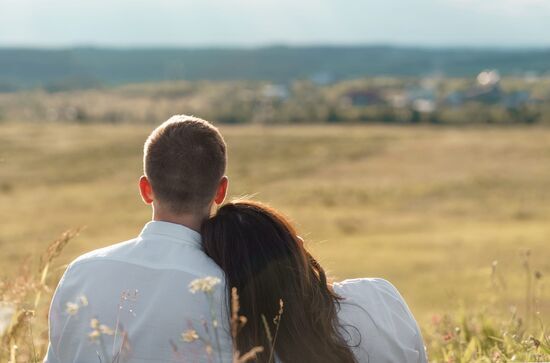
430 209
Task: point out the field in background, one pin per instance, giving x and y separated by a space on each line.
428 208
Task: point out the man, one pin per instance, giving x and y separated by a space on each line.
136 301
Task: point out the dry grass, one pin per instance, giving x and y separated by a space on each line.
428 208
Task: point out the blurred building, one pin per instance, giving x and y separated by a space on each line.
488 90
276 91
361 98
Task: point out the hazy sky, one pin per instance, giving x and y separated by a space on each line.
501 23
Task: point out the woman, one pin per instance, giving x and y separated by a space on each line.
361 320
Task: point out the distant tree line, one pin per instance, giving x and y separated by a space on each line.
403 100
82 68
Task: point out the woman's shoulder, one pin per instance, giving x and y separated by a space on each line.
376 318
374 298
371 290
367 286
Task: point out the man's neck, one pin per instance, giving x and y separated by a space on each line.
188 220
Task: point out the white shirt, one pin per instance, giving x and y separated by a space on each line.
377 323
159 264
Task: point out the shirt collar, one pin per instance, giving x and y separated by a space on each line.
175 231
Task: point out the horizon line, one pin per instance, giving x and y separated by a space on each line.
272 45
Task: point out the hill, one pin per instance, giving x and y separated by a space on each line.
91 67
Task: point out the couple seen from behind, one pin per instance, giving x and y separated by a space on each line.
170 294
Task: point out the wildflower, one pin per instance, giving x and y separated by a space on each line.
84 300
104 329
277 318
94 335
436 319
94 323
72 308
98 330
189 336
206 284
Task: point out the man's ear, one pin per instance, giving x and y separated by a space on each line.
222 191
145 190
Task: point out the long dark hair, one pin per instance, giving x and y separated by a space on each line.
265 260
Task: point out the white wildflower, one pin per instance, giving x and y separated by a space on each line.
104 329
94 323
84 300
72 308
98 330
206 284
189 336
94 335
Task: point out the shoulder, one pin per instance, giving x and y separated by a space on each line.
85 265
366 284
378 296
144 253
377 320
368 289
111 251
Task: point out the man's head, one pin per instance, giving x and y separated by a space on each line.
184 163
